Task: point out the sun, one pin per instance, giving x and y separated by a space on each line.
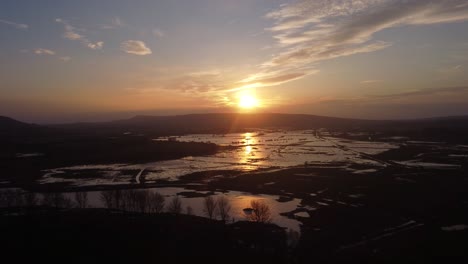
247 101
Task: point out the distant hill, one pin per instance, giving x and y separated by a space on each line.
13 131
232 122
11 126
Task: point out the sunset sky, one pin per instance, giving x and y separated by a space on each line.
65 61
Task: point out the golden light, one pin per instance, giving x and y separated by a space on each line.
247 101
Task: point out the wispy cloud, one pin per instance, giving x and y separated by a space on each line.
48 52
428 91
73 33
41 51
158 33
115 22
371 81
308 32
65 58
95 46
135 47
16 25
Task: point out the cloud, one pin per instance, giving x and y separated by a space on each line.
116 22
41 51
426 92
197 83
95 46
135 47
308 32
158 33
71 33
371 81
16 25
65 58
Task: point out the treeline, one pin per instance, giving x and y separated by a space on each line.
216 207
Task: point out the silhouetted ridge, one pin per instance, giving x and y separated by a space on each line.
234 122
10 125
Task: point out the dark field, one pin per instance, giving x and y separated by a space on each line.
401 204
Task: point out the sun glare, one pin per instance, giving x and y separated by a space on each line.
247 102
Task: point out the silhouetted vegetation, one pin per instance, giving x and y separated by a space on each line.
209 206
223 207
97 235
175 205
260 213
81 199
156 202
56 200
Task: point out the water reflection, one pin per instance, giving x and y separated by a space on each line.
248 150
247 156
238 201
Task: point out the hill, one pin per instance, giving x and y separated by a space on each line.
230 122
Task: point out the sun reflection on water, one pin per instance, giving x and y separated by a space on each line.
246 156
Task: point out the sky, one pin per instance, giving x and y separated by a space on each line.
93 60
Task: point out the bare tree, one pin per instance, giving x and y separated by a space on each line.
7 198
189 210
261 212
107 198
113 199
117 199
224 207
292 238
129 200
156 202
81 199
175 206
209 206
142 200
57 200
30 199
18 198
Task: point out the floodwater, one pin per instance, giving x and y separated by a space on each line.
251 151
246 152
237 200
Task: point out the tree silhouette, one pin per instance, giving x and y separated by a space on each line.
56 200
175 206
142 200
189 210
81 199
30 199
129 200
261 212
224 207
156 203
7 198
107 199
209 206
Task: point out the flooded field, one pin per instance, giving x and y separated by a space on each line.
294 172
247 152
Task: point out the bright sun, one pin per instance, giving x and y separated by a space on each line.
247 102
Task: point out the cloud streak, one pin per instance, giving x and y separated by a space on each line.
72 33
135 47
308 32
158 33
41 51
16 25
